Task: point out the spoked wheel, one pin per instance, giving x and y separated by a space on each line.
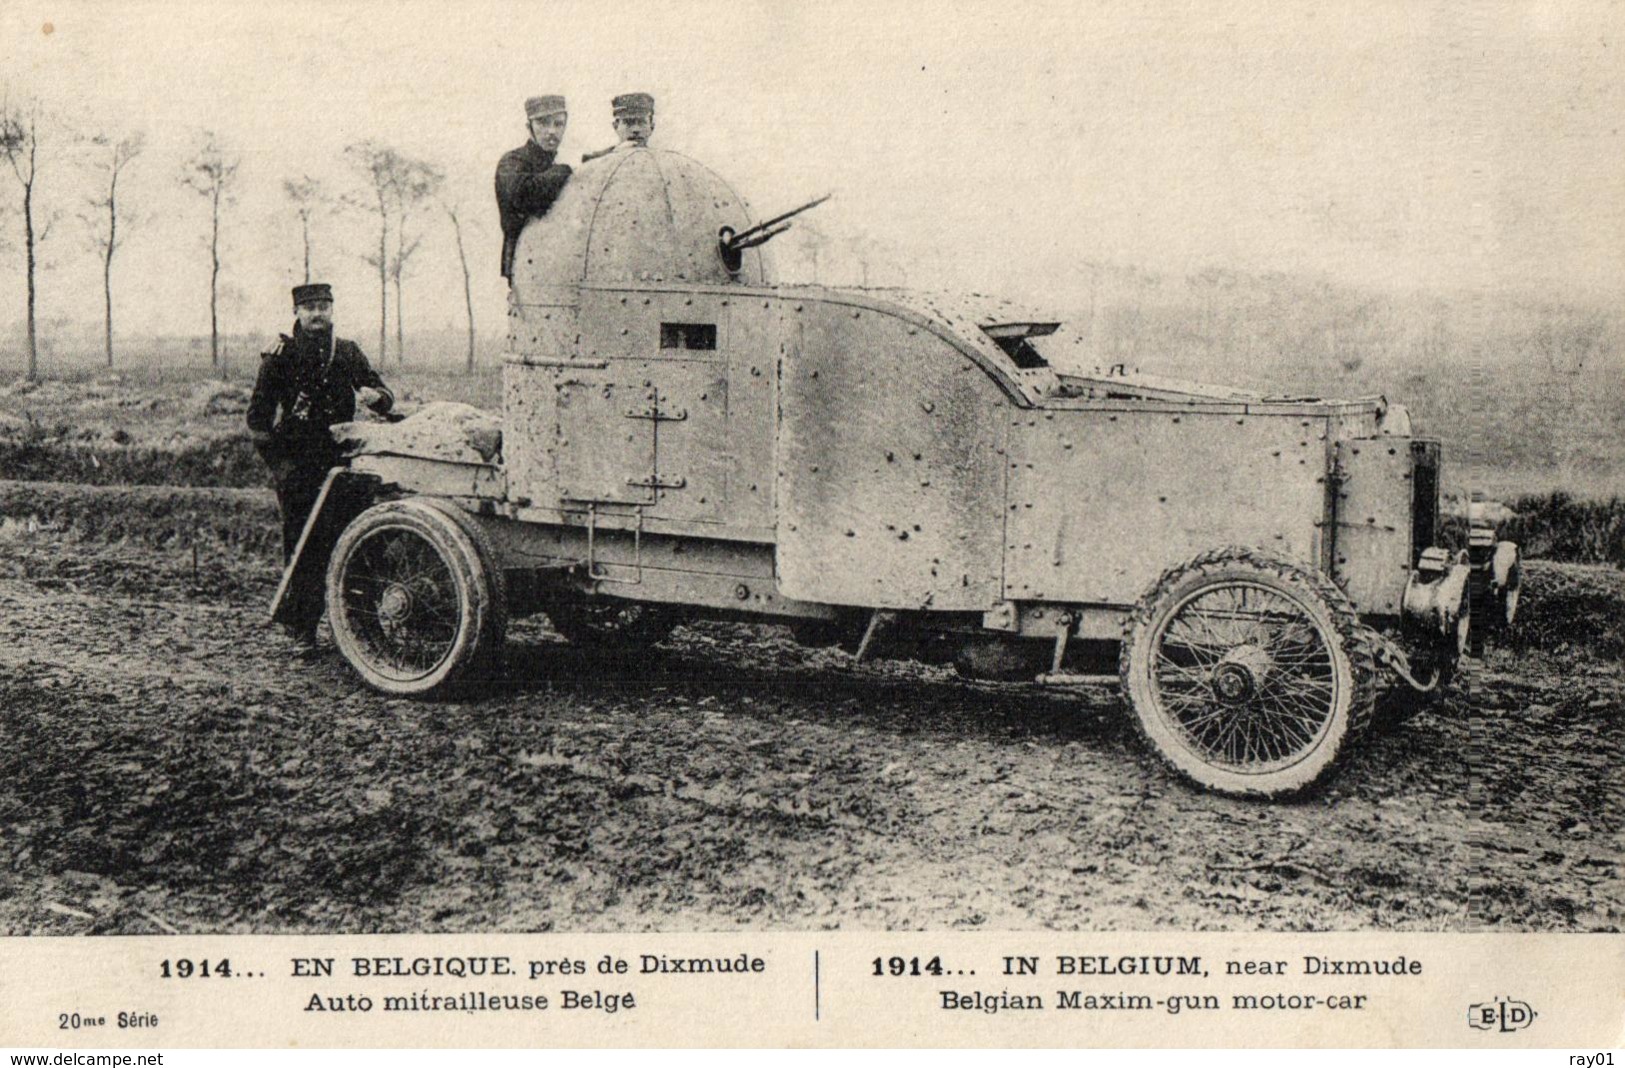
1250 675
413 597
614 624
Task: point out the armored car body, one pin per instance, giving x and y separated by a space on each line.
904 474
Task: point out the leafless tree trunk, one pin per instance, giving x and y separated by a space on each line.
400 328
451 211
19 144
415 182
210 173
106 236
378 166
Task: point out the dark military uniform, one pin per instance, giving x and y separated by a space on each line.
527 183
306 384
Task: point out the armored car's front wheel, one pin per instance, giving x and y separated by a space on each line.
413 596
1250 675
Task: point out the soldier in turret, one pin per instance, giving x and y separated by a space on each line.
634 118
310 381
528 180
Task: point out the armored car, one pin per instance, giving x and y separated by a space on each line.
904 474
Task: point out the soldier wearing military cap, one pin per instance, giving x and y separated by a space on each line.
528 180
633 115
308 382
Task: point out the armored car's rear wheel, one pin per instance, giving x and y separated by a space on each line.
1248 674
413 597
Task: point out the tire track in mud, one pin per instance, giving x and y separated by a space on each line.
167 763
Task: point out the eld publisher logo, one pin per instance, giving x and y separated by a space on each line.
1502 1014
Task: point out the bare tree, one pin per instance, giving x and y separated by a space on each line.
377 165
417 183
395 186
107 213
210 173
308 197
19 144
453 211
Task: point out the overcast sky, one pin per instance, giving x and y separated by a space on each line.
986 145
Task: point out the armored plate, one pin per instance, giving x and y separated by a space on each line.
889 469
605 455
1373 553
1102 501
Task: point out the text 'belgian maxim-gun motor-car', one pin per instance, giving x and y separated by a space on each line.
905 475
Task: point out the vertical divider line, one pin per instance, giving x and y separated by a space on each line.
817 1001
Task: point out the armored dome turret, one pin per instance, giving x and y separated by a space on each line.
636 215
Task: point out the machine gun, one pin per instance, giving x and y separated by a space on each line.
731 243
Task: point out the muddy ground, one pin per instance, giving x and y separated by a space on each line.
169 765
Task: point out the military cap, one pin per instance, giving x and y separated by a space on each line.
633 104
311 291
538 106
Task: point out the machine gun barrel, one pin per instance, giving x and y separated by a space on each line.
768 228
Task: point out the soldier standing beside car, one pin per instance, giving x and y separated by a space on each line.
310 381
528 180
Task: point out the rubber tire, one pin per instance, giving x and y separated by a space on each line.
581 623
1352 652
482 596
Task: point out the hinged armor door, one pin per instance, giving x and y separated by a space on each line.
606 447
691 441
